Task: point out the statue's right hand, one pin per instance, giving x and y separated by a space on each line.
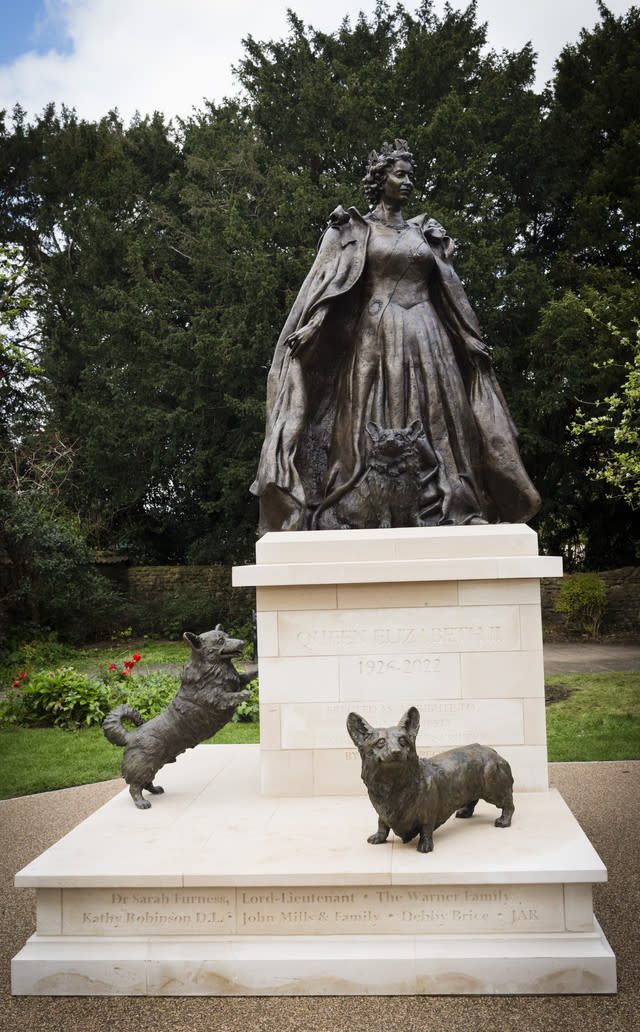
300 337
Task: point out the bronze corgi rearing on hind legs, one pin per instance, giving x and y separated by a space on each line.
209 693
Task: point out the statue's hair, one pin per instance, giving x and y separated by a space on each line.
379 165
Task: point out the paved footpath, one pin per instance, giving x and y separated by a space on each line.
592 657
603 797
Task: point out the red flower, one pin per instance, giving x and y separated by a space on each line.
16 684
128 665
137 657
22 675
113 667
124 673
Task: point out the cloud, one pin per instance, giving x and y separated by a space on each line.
169 55
148 55
130 54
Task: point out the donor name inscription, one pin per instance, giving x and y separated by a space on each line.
330 910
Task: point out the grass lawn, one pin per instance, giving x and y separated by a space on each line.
46 758
599 720
153 653
96 660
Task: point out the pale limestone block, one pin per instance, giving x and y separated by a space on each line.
528 765
293 679
154 911
400 632
396 571
468 542
499 592
535 723
270 725
414 677
533 566
328 546
55 967
324 727
530 628
267 628
284 966
286 772
177 968
502 675
544 846
396 543
473 909
324 838
578 906
398 910
341 965
444 723
400 595
49 911
321 596
337 772
495 965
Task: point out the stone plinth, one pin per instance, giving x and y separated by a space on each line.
446 619
218 890
252 874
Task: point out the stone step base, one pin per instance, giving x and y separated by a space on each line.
343 965
217 890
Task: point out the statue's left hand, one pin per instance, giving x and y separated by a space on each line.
300 337
477 349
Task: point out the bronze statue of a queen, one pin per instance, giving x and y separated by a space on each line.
382 344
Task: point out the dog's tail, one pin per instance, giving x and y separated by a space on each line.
113 727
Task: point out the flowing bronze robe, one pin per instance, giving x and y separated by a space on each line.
314 450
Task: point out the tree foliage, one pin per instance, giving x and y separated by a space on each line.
160 261
614 422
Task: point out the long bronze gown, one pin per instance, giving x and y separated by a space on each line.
393 348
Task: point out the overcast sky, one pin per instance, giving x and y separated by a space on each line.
169 55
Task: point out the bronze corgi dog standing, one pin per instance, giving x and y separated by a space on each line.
414 796
393 475
209 693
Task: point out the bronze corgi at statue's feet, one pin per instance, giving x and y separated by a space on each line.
393 475
414 796
209 693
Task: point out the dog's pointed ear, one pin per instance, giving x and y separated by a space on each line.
415 430
358 728
410 722
373 430
193 640
218 627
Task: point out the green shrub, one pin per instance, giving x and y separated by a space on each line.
150 694
245 632
52 581
583 600
66 698
248 712
32 653
12 707
170 614
69 699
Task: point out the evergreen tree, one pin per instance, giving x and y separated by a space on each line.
161 264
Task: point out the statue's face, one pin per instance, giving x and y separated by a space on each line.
399 183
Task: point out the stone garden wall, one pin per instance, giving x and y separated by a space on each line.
234 605
170 599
